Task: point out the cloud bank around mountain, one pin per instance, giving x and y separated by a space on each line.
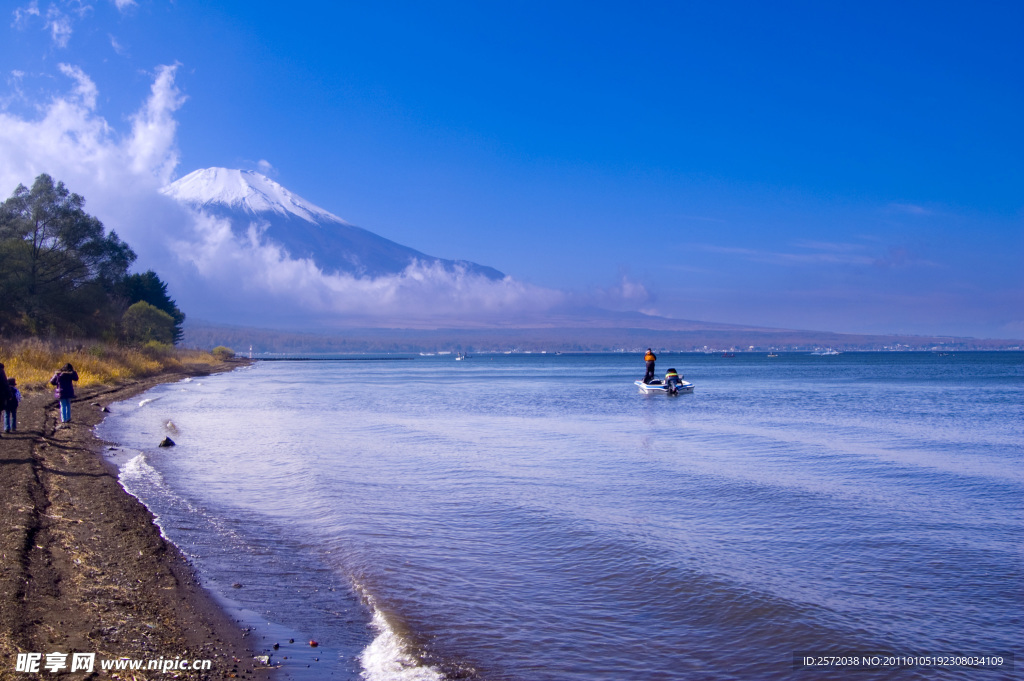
213 273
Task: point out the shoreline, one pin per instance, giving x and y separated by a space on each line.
83 566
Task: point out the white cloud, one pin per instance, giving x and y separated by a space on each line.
151 146
119 49
628 294
248 280
72 143
124 5
85 89
22 14
14 81
56 22
59 19
59 25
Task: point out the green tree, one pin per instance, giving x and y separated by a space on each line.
58 266
143 322
148 287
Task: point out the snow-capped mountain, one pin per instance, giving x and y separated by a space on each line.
251 200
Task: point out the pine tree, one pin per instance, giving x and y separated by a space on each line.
58 265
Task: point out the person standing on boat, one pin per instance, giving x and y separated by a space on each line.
650 359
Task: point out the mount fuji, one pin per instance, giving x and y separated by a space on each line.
257 206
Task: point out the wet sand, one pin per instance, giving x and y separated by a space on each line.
83 567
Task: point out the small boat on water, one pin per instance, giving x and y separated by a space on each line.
826 353
662 387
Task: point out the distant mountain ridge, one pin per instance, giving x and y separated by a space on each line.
250 200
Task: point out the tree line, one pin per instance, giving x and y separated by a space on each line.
62 275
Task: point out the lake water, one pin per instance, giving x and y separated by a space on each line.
534 517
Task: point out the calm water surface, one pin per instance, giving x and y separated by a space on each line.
534 518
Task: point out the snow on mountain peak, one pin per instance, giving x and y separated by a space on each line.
244 189
245 198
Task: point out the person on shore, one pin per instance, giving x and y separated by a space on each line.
5 388
11 407
649 358
64 380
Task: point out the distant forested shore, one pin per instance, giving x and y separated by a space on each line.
363 340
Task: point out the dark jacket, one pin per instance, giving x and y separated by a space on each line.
64 380
12 401
5 388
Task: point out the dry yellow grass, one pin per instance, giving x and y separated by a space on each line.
33 362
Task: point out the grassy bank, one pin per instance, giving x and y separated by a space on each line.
32 362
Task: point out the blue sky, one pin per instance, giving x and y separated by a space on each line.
854 167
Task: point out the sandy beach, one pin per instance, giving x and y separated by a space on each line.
84 567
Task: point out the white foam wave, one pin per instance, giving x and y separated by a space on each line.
388 657
137 473
144 402
138 469
144 482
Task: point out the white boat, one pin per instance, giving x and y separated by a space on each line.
662 387
826 353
